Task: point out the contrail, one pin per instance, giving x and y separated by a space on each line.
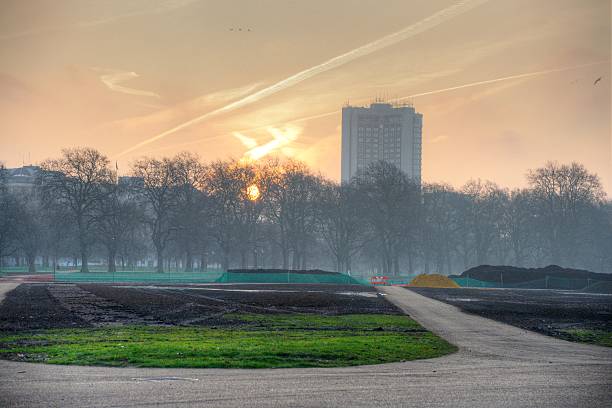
491 81
112 78
248 142
384 42
280 138
437 91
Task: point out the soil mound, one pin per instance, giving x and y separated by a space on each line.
433 281
513 274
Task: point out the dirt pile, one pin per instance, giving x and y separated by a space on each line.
433 281
513 274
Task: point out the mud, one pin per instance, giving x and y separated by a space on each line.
32 306
39 306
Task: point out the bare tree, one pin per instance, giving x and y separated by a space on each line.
77 179
439 226
9 210
483 217
282 214
391 205
235 192
191 214
30 228
519 220
117 216
292 192
340 223
157 187
562 192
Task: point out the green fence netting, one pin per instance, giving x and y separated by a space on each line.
287 277
21 270
139 277
205 277
473 283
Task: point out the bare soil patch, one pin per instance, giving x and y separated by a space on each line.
42 306
31 306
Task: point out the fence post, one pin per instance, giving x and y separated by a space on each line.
546 280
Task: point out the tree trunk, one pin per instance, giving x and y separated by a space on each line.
160 261
84 261
255 259
295 260
31 263
285 258
396 268
203 262
111 262
243 259
303 260
188 261
225 260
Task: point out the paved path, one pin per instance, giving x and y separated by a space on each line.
497 366
6 286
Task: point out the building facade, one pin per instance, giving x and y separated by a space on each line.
21 179
381 132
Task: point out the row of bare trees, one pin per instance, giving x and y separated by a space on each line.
280 214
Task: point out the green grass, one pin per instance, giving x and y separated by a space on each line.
599 337
265 341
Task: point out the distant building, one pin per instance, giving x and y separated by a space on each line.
381 132
21 178
130 181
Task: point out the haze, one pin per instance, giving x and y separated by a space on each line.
115 75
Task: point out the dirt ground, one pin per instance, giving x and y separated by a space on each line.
42 306
545 311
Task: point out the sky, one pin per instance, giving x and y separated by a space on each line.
503 85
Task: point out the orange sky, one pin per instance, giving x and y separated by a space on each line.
115 74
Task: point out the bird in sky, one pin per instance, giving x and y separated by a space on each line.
596 81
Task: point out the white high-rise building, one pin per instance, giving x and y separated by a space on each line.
381 132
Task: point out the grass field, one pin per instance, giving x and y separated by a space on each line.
259 341
598 337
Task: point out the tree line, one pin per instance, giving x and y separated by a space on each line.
279 214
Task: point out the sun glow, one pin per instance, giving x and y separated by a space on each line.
282 137
253 192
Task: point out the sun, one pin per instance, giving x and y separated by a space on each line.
253 192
